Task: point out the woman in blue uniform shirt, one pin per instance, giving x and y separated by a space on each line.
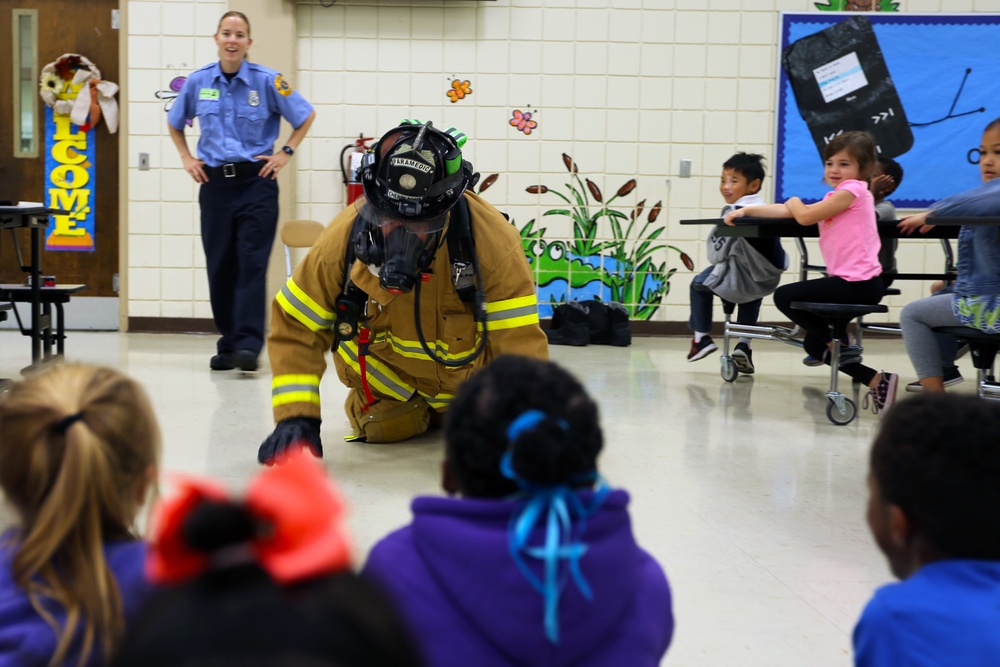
239 105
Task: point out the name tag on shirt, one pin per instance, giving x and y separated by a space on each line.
208 94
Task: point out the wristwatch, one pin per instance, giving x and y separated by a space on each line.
288 150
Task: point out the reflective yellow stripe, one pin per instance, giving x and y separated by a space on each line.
295 397
380 376
287 389
521 311
411 349
303 308
439 401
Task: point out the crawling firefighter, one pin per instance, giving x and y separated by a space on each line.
415 287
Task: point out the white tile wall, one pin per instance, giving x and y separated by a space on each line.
625 87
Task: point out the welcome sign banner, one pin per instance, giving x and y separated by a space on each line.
70 179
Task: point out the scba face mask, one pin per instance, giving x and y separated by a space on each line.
398 251
412 177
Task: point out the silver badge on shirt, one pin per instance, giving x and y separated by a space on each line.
254 98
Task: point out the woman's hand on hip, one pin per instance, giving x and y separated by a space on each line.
274 164
195 168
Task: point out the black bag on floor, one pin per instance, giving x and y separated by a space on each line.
579 323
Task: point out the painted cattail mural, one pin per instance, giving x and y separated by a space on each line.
614 265
490 180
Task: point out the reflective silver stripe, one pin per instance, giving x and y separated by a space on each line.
376 372
291 388
512 313
301 307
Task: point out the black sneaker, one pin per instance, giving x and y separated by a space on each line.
952 376
701 349
743 358
222 362
883 395
245 360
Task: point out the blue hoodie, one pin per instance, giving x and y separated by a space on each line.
452 577
26 640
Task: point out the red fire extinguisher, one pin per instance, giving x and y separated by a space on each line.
349 164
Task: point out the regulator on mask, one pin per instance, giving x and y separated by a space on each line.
411 179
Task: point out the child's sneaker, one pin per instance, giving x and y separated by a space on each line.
884 393
701 349
816 361
952 376
743 358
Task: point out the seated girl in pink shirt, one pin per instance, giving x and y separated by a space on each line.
849 241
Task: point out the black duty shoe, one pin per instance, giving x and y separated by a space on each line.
245 360
222 362
701 349
743 358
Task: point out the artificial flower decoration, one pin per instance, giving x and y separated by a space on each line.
72 86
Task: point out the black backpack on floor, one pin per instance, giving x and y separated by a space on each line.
580 323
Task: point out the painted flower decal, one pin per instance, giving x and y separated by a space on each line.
522 121
459 89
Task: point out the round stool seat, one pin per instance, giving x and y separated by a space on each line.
969 334
839 309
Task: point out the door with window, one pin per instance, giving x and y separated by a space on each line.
35 33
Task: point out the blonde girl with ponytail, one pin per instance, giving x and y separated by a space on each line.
79 447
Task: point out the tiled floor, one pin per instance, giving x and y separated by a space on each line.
748 496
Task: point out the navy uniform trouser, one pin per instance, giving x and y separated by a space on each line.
239 216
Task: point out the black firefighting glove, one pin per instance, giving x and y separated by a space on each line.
303 431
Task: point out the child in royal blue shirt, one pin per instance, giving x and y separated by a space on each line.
933 508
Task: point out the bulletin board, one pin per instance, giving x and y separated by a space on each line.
925 85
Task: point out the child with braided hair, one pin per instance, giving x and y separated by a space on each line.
534 561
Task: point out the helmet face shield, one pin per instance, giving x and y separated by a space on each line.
380 219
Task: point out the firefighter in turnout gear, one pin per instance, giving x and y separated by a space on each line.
413 288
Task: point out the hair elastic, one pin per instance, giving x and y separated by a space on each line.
63 424
562 514
528 420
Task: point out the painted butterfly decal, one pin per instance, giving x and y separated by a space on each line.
170 95
459 89
522 121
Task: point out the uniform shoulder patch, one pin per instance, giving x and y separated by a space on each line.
282 86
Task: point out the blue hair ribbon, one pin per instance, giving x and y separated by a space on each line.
560 505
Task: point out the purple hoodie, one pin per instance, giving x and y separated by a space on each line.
26 640
452 576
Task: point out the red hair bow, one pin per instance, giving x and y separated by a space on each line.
299 505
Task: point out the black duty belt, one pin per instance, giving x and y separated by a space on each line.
233 169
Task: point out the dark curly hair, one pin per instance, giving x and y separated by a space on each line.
937 457
558 449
